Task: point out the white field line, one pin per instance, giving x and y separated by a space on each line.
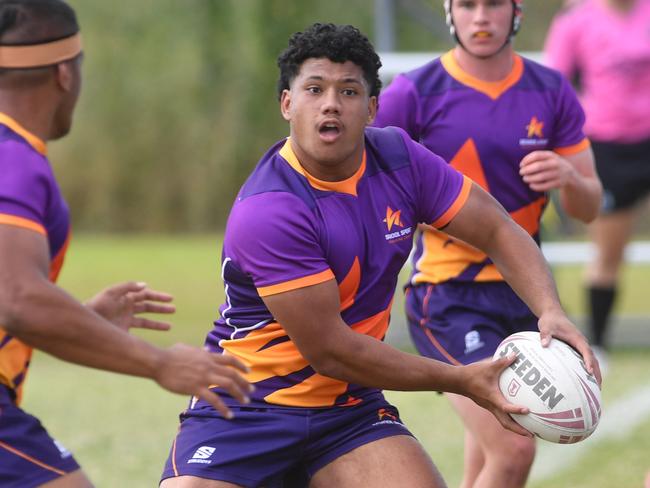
617 421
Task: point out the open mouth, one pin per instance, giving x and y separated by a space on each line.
482 35
329 131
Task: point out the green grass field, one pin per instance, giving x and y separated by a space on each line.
120 428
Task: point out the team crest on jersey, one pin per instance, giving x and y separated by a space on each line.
534 134
393 222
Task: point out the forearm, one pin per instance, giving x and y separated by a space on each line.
581 197
366 361
523 266
45 317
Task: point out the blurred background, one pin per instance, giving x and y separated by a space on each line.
179 102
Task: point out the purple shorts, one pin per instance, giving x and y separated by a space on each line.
29 457
461 323
275 447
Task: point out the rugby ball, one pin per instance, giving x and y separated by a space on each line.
563 398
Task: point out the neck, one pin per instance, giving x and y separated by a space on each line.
492 68
32 113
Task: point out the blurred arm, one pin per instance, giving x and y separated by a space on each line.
44 316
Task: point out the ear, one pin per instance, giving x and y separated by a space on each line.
64 76
285 104
372 109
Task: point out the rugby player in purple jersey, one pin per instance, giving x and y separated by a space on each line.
515 128
312 251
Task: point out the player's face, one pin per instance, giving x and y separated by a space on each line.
63 117
483 26
328 107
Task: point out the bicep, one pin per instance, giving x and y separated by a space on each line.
478 219
23 252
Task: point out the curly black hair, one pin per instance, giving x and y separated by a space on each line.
338 43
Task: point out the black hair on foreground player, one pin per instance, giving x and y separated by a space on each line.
338 43
35 21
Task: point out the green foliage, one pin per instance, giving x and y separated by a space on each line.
179 101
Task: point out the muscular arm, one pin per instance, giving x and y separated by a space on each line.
311 317
44 316
574 175
521 263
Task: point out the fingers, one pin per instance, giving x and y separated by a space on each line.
142 323
508 423
213 399
230 361
153 307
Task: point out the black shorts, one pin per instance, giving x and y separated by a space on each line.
624 170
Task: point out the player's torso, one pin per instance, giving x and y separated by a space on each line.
29 198
365 236
613 59
484 132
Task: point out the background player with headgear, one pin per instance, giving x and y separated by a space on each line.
515 128
605 46
311 256
40 81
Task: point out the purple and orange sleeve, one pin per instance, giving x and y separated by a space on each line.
272 238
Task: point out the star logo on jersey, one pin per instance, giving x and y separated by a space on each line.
535 128
393 218
534 139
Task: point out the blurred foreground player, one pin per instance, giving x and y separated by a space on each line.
40 80
312 251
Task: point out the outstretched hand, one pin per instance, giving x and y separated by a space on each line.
193 371
121 303
482 386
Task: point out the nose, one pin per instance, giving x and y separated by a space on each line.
481 14
331 102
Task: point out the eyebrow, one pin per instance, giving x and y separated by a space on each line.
344 80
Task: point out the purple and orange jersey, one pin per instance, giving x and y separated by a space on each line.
288 230
483 130
29 198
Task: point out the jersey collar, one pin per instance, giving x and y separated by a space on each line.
31 139
493 89
349 185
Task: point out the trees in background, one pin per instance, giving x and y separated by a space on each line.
179 102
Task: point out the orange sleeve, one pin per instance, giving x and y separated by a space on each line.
451 212
310 280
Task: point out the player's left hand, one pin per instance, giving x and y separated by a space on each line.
121 303
557 324
546 170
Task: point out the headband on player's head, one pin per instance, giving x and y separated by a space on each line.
516 18
39 55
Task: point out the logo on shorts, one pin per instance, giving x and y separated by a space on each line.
534 134
202 455
473 341
62 449
394 219
385 416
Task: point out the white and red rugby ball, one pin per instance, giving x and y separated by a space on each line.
563 398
